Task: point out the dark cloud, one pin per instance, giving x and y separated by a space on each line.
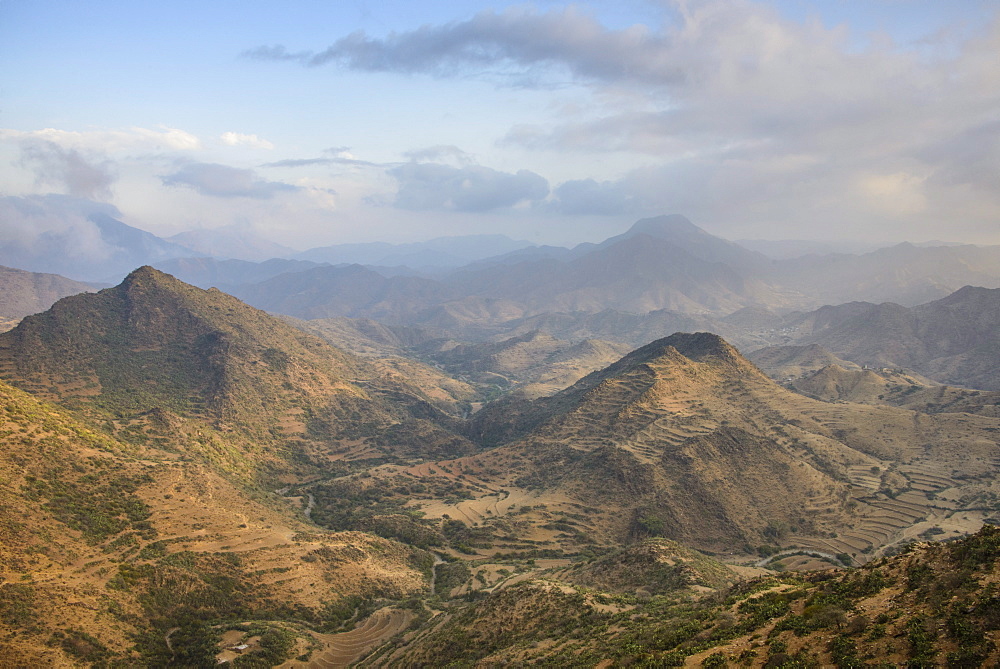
67 169
429 186
223 181
276 52
739 113
516 38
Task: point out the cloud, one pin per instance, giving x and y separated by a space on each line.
430 186
111 141
734 91
516 39
300 162
252 141
33 224
441 153
590 197
67 169
222 181
308 162
275 52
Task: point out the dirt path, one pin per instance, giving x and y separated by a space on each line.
166 639
434 572
309 507
796 551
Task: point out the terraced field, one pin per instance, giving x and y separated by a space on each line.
341 650
927 500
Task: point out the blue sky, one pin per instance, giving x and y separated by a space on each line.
312 122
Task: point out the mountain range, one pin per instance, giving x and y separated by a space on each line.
604 455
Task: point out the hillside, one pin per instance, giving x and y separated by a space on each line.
210 469
933 606
25 293
784 362
536 363
105 548
156 359
687 440
952 340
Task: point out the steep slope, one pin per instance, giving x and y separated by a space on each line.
23 293
105 548
952 340
936 605
201 371
685 439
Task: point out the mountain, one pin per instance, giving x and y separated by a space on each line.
687 440
933 606
952 340
232 242
190 472
638 273
226 274
442 252
684 234
26 293
663 263
77 238
199 371
663 274
353 290
789 362
117 554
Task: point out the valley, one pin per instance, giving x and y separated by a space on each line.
522 475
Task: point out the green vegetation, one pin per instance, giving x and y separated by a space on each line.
16 603
939 587
99 504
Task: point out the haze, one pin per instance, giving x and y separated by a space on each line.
310 123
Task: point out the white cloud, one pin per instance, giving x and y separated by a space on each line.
68 169
110 141
898 194
238 139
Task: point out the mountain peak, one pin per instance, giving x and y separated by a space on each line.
144 274
700 347
697 346
665 226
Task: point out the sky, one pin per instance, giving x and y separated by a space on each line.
310 122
